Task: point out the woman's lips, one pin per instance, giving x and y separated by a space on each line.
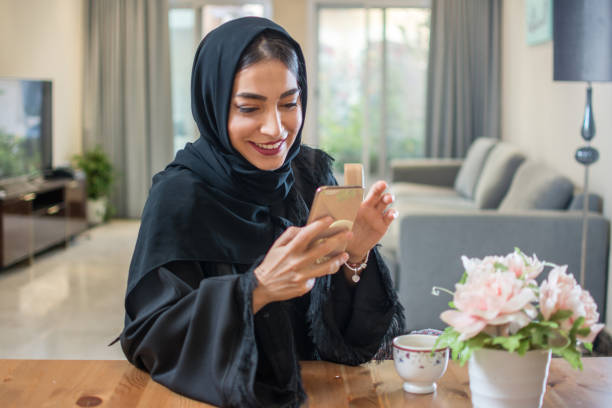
269 149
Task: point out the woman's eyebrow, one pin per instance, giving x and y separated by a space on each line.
289 92
251 95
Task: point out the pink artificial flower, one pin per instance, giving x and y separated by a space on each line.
561 292
521 265
496 298
475 266
466 324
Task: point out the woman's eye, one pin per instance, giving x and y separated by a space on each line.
290 105
246 109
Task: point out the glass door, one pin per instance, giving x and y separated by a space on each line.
371 83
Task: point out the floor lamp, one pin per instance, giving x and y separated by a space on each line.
582 42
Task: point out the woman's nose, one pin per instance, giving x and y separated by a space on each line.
272 125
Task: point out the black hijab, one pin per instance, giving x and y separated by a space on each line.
211 204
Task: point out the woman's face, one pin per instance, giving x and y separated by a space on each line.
265 113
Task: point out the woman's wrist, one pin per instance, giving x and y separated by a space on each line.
259 299
352 270
357 257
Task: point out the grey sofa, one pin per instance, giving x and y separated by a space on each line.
488 204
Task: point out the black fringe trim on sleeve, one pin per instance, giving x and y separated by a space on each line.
396 327
323 333
238 388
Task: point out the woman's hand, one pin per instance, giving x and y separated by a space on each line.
372 221
291 265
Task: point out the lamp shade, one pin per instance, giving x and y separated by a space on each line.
582 36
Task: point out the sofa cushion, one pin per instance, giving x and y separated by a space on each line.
537 187
496 176
577 203
470 171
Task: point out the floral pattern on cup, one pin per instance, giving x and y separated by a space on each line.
420 359
418 362
429 332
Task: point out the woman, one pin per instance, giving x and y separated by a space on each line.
225 294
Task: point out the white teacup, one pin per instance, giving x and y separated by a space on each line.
415 363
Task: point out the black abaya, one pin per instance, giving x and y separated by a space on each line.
209 220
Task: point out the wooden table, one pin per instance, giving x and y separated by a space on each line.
114 383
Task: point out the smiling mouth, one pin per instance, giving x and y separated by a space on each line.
270 146
270 149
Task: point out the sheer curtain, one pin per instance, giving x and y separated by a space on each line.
463 82
127 94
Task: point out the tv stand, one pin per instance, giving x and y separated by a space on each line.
38 214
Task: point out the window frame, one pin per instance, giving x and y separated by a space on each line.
198 7
313 68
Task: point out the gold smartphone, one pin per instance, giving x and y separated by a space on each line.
339 202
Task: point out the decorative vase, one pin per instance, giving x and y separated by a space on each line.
96 209
502 379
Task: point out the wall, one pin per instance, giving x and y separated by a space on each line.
544 117
292 16
44 39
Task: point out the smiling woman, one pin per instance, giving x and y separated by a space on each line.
227 290
265 114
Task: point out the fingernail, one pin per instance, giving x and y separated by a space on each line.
310 283
395 214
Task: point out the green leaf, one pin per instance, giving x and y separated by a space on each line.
510 343
583 332
98 171
577 323
500 266
588 346
537 335
479 341
561 315
447 339
452 304
572 356
523 347
465 356
463 278
546 323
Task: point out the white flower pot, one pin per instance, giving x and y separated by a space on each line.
96 210
502 379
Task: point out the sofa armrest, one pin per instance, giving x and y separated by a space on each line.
438 172
431 246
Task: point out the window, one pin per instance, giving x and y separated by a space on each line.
189 22
371 73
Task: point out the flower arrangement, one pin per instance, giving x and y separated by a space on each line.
498 304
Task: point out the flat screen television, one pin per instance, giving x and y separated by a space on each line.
25 128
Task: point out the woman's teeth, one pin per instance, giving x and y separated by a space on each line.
270 146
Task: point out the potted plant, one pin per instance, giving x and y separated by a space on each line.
507 326
99 173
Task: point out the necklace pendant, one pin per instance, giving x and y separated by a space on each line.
356 278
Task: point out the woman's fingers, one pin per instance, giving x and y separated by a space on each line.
327 245
384 202
390 215
309 232
286 236
375 193
325 268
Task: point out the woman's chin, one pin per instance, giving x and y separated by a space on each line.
268 162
